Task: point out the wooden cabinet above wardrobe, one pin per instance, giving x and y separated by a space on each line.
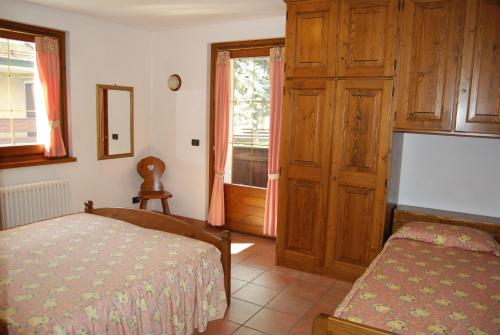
448 73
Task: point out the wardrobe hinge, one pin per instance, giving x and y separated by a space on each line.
395 64
402 4
385 183
393 89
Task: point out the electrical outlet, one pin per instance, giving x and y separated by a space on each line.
135 200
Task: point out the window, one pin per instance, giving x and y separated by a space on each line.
23 120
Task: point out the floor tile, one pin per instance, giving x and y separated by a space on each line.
334 296
274 280
246 273
220 327
317 279
319 308
247 331
256 294
306 289
272 322
260 260
343 284
286 271
303 327
240 311
236 284
291 304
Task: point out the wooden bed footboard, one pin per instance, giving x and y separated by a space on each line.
161 222
325 324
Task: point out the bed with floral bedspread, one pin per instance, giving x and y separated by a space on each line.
88 274
430 279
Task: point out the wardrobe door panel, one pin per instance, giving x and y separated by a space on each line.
479 101
305 151
367 38
428 64
311 39
362 134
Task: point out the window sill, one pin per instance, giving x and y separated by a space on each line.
33 161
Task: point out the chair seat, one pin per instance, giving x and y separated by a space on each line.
155 195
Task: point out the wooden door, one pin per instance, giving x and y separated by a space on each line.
367 38
311 39
357 191
305 151
428 61
479 93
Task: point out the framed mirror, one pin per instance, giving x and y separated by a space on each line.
115 121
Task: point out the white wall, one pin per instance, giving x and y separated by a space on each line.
180 116
97 53
452 173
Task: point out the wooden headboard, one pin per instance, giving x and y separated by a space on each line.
404 214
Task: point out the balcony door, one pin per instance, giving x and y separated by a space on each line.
245 178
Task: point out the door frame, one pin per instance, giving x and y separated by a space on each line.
249 48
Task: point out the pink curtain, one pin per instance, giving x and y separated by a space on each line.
222 102
277 69
47 60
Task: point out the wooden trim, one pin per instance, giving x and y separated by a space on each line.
445 133
9 163
329 325
166 223
27 32
242 53
22 150
215 48
102 121
14 35
405 214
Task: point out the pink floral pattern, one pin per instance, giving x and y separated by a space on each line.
418 286
87 274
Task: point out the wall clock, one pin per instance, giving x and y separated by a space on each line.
174 82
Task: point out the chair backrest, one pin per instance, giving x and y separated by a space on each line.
151 169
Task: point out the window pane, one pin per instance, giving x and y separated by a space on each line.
243 79
261 84
4 76
17 98
250 121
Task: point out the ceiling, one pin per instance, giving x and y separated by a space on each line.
157 15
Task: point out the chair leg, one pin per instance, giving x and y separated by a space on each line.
164 204
143 204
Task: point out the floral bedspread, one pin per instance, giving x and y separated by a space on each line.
87 274
420 284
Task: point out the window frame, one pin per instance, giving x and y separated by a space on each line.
33 154
237 49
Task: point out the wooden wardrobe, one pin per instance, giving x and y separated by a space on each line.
356 71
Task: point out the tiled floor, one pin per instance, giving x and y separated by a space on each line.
268 299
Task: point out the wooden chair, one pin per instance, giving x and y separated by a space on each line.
151 169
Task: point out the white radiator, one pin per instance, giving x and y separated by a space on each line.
27 203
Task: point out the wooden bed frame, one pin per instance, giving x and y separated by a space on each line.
161 222
325 324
